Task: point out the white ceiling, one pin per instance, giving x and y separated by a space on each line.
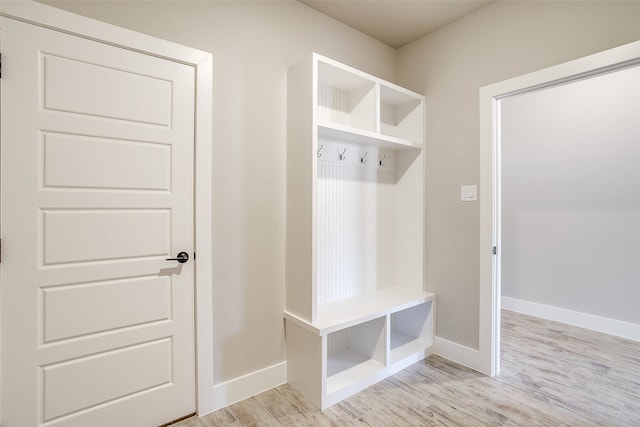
396 22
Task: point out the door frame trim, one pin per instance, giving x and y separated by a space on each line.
202 62
490 176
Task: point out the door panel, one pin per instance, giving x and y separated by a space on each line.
69 386
87 308
93 161
97 190
92 89
83 235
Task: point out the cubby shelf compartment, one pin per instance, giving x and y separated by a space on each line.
401 114
355 353
346 98
354 104
362 339
355 230
411 331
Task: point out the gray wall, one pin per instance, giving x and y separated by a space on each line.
253 44
501 41
571 196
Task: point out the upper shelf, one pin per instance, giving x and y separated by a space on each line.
350 134
358 107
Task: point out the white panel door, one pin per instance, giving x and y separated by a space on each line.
97 191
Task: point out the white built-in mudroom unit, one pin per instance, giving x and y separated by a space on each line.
356 311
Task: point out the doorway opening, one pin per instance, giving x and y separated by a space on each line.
491 169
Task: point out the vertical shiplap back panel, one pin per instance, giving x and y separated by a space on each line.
355 238
333 105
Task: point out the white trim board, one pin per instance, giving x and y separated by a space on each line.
460 354
583 320
246 386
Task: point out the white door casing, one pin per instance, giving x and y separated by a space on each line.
611 60
97 190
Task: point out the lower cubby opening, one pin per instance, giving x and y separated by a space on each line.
357 342
411 331
355 353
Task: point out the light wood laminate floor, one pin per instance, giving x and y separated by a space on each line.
552 375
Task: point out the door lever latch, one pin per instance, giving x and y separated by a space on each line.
182 257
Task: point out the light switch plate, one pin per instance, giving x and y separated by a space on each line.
468 193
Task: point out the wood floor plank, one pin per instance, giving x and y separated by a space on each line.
551 375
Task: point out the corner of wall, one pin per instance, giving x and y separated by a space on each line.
466 356
244 387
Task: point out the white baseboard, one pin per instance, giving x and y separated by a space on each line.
459 353
583 320
246 386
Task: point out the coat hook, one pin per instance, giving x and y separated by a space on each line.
318 153
341 156
363 159
382 162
